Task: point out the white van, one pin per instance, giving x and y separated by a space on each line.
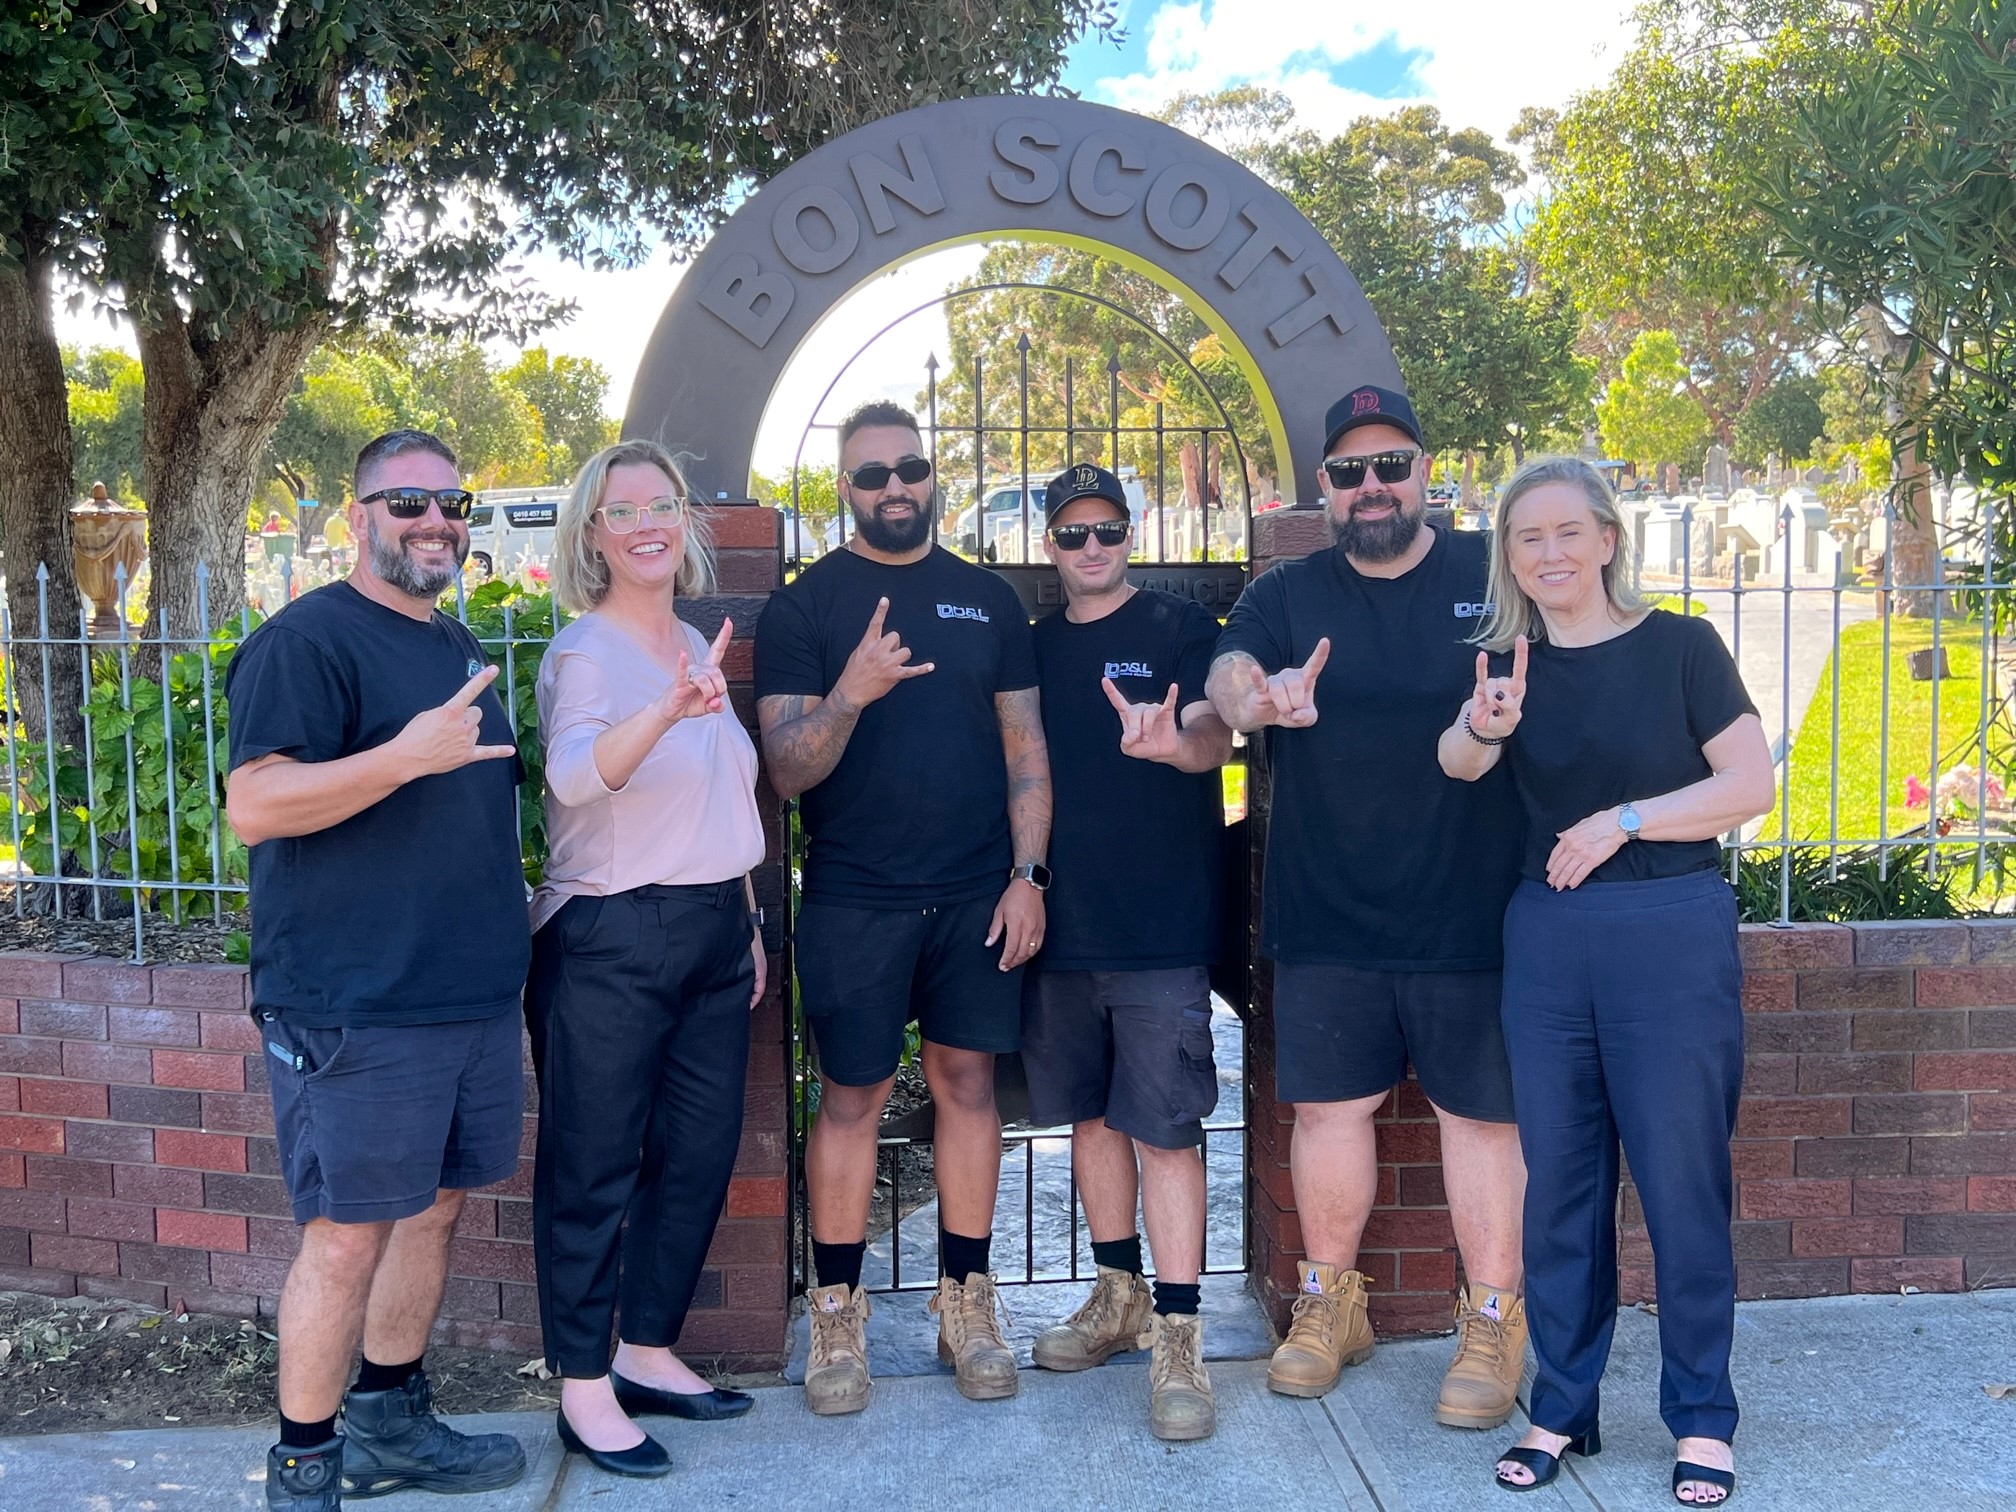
513 527
1001 538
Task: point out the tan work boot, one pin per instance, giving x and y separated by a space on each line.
1180 1404
1483 1380
969 1338
1328 1331
836 1372
1113 1320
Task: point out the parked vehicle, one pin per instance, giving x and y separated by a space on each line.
511 527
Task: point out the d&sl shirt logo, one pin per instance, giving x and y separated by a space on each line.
1472 611
1129 669
963 611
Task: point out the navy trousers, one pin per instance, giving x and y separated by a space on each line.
1624 1023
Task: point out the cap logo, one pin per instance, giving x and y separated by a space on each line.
1364 402
1083 476
1313 1283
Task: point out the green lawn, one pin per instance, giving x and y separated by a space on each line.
1861 724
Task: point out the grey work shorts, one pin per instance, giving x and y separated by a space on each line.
1133 1047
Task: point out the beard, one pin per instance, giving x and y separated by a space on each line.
1376 540
895 536
394 566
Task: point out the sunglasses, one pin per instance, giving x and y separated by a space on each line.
411 503
1072 537
622 519
874 476
1389 467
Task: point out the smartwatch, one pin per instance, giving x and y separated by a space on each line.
1628 821
1035 873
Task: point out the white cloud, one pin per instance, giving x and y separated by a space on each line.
1478 62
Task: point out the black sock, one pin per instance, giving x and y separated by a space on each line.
306 1435
1118 1254
1176 1297
960 1257
371 1376
838 1264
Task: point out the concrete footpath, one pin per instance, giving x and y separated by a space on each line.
1870 1401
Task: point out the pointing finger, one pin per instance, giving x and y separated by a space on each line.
721 641
1316 659
1519 665
1483 671
471 688
1169 703
1115 697
685 671
917 671
875 623
492 753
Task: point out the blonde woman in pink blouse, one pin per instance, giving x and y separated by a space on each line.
645 956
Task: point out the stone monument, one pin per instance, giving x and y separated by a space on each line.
105 536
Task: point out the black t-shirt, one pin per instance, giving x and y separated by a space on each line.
1375 858
1133 844
412 911
916 811
1618 722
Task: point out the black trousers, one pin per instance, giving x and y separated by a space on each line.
638 1005
1624 1020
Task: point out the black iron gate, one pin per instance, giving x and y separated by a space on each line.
1193 523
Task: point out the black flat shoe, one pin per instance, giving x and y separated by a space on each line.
1546 1466
645 1461
696 1406
1687 1470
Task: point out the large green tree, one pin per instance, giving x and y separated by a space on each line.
243 178
570 397
1899 192
1647 415
107 418
1650 217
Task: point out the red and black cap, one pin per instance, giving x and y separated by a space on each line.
1368 404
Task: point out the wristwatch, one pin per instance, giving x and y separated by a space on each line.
1628 821
1035 873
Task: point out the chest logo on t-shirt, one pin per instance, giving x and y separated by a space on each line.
1472 611
963 611
475 666
1129 669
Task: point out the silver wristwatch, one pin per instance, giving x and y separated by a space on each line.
1628 821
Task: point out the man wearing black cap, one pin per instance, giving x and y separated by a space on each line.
1116 1013
1385 892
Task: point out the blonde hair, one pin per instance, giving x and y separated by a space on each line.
1513 614
580 575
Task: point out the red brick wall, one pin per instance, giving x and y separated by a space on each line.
136 1137
1876 1143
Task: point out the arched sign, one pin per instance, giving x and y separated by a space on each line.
1037 168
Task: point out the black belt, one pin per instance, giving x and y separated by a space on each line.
713 894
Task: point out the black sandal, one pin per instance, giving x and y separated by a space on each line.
1546 1466
1687 1470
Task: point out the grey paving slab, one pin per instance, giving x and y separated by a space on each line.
903 1335
1065 1444
211 1469
1871 1400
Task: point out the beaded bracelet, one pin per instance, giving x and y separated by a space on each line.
1483 740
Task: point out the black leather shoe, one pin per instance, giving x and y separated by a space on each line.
305 1480
396 1442
645 1461
696 1406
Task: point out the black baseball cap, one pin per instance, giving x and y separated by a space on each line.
1084 481
1368 404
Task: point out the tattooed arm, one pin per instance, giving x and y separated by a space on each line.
804 737
1018 918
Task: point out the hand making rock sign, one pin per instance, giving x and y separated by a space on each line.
1494 709
879 663
1288 698
697 690
1148 731
444 738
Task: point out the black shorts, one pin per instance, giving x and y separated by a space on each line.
374 1122
1341 1033
1133 1047
865 973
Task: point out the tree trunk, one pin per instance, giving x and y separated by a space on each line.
213 402
1913 536
36 458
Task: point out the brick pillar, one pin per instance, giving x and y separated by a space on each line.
741 1311
1409 1250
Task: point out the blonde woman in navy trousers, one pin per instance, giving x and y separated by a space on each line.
1633 747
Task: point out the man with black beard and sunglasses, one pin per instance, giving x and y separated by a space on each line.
1384 896
896 691
373 775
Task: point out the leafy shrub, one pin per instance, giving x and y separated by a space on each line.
1856 887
